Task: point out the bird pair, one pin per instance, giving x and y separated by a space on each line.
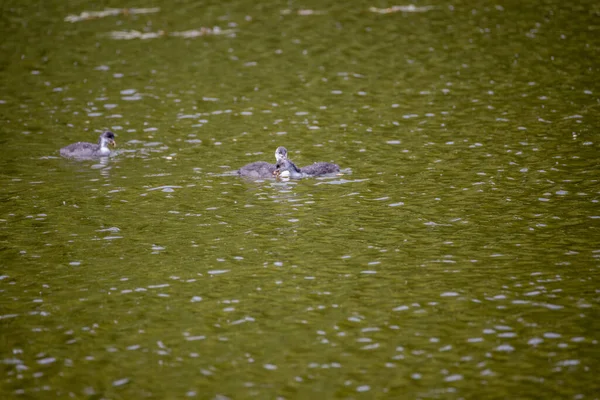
285 168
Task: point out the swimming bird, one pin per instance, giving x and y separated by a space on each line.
287 169
262 169
90 150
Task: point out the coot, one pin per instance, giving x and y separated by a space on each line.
262 169
286 168
90 150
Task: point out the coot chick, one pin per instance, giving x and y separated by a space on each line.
90 150
262 169
287 169
320 168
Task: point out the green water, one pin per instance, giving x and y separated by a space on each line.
457 256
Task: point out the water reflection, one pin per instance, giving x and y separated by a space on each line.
102 165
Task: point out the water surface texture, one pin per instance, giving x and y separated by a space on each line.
456 256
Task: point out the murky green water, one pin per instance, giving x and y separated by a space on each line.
458 256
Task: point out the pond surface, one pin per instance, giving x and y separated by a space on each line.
456 256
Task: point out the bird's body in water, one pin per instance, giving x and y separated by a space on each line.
85 150
263 169
287 169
